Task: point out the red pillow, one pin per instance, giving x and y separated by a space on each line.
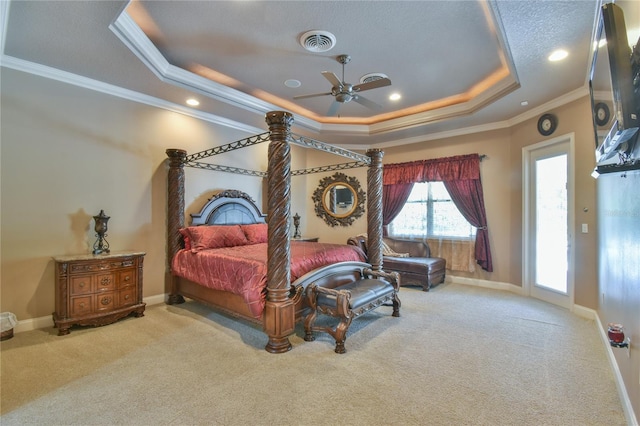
256 233
215 236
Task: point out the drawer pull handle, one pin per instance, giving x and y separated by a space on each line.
82 306
82 284
105 300
127 297
106 281
127 278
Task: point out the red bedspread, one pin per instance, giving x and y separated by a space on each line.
242 270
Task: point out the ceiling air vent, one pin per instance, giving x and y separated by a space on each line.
318 41
367 78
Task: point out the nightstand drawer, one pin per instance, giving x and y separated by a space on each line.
126 278
105 301
81 285
105 282
81 305
128 296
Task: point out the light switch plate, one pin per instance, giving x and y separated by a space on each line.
585 228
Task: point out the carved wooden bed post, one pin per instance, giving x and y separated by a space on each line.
374 209
279 311
175 213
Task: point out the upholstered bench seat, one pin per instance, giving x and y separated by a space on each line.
363 292
348 300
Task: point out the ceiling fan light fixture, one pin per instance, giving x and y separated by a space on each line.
318 41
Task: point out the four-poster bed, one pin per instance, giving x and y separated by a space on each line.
283 304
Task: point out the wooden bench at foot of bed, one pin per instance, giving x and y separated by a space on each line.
348 298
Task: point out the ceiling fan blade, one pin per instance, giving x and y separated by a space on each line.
381 82
333 109
313 95
366 102
333 79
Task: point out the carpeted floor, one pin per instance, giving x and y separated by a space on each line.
458 355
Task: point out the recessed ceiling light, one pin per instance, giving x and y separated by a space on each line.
193 102
524 103
292 83
395 97
558 55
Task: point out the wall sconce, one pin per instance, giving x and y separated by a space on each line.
101 245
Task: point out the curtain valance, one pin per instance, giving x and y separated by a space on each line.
460 167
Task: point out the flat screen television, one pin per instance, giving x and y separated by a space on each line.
344 197
615 76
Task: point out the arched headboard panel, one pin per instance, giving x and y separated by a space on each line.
230 207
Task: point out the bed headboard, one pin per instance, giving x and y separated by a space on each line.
229 207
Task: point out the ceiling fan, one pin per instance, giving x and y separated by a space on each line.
344 92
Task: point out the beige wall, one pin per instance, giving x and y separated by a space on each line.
68 152
501 173
575 118
495 145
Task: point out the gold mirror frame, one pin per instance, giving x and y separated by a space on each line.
323 203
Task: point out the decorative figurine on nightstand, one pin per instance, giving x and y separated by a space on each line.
101 245
296 223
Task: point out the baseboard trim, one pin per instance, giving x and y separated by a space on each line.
496 285
47 321
580 311
622 390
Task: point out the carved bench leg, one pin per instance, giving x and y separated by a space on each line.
309 320
340 334
396 305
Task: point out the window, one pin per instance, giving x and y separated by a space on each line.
430 212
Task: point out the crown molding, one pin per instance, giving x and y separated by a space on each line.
87 83
125 28
551 105
109 89
132 36
498 125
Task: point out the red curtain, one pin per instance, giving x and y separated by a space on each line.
468 197
461 177
393 199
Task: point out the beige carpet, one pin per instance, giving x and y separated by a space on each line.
458 355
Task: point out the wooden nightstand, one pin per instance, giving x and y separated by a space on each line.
97 289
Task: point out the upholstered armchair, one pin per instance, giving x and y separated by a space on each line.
418 268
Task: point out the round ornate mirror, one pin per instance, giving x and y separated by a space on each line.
339 200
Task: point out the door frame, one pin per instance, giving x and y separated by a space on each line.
527 221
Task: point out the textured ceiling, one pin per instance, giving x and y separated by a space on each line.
457 64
